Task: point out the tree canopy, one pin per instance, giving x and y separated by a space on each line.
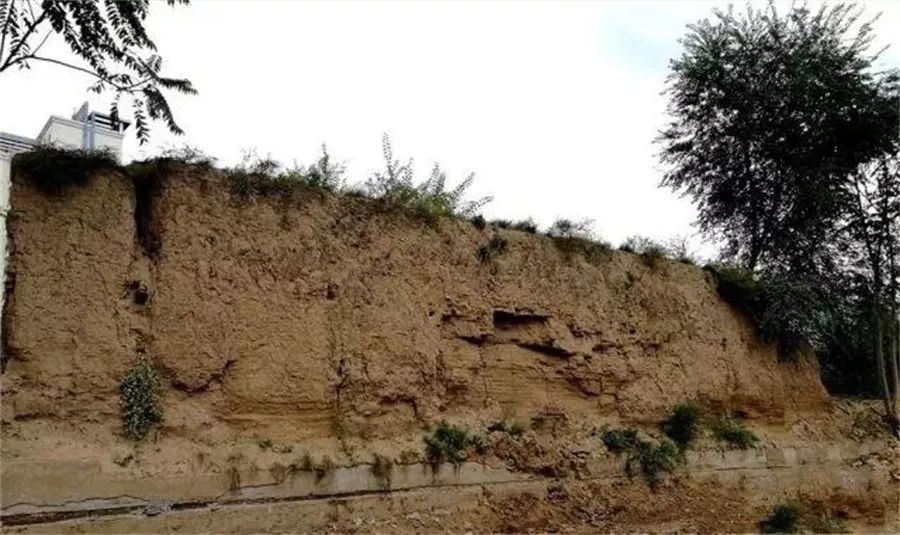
110 41
771 113
784 133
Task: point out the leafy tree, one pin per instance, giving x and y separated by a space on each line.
873 244
771 113
111 43
786 138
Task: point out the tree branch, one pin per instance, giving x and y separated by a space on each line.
12 53
104 79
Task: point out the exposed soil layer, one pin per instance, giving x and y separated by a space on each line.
335 327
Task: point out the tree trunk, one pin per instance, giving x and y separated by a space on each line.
890 411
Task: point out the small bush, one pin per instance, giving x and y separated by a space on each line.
53 170
572 237
429 199
651 251
525 225
502 223
656 458
479 222
447 443
620 440
734 432
140 400
265 444
325 173
737 286
494 247
187 155
783 519
265 176
652 458
568 228
681 425
514 429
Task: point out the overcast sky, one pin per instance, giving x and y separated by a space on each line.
554 106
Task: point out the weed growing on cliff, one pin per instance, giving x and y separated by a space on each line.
53 170
266 176
572 237
140 400
681 425
382 468
525 225
428 199
619 440
325 173
783 519
447 443
515 429
495 246
479 222
652 458
734 432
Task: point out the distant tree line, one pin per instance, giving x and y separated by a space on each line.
784 134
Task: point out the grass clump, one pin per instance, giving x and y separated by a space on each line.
429 199
525 225
266 176
140 400
620 440
784 519
53 170
653 458
515 429
576 237
447 443
682 424
734 432
495 246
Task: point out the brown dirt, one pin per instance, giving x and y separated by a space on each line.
332 326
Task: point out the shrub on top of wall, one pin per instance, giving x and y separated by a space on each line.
571 237
55 169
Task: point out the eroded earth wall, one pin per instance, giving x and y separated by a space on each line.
333 326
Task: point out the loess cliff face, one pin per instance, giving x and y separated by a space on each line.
308 342
316 317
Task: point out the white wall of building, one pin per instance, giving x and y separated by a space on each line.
73 134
